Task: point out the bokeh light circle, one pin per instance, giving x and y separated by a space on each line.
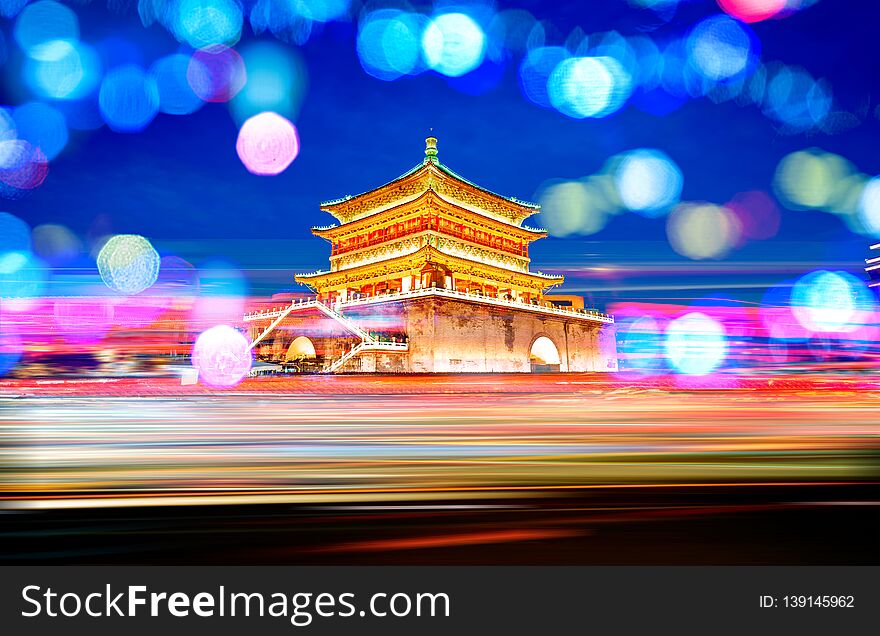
41 24
702 230
22 166
128 99
42 126
11 8
508 33
128 263
453 44
206 22
55 243
267 144
570 207
826 301
7 126
777 317
325 10
757 213
222 355
389 44
695 344
640 343
795 100
720 48
22 275
216 74
277 80
15 235
869 207
535 71
287 20
176 96
649 182
752 10
808 179
580 87
71 72
588 86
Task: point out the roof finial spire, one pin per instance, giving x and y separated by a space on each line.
431 145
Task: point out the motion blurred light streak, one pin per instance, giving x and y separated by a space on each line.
373 447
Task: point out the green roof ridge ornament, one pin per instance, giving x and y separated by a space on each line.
431 147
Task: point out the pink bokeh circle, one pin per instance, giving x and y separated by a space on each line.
267 144
222 355
216 73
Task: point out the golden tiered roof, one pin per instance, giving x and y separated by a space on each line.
431 175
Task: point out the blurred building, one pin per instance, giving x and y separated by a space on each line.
430 273
873 268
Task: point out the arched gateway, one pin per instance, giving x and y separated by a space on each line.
300 349
544 356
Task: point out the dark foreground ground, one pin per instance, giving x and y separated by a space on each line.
678 526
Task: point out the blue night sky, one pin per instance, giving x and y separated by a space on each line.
180 183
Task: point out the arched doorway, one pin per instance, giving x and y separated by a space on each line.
544 356
301 356
300 349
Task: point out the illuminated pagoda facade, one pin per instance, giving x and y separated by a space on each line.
430 273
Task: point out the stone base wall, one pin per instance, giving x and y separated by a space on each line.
456 336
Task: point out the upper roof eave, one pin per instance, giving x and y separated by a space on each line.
324 205
526 204
533 208
330 230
